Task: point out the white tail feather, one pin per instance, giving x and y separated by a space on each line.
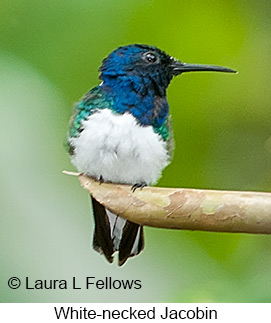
116 225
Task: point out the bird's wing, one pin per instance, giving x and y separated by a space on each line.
94 100
170 138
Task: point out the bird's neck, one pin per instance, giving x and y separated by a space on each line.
140 96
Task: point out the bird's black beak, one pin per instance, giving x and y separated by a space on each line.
179 67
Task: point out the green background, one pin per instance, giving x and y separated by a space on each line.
50 53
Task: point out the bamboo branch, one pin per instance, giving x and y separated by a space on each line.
188 209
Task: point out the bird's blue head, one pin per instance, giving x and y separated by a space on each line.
146 66
137 76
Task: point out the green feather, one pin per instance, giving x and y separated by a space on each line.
94 100
166 132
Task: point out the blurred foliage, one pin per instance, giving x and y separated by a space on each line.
49 55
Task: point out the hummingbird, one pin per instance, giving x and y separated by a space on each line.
121 132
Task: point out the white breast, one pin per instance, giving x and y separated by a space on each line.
119 149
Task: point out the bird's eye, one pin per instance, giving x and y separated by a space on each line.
150 57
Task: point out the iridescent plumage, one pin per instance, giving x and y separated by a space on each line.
121 132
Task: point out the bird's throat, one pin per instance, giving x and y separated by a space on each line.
139 96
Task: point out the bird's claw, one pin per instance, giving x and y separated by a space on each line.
138 185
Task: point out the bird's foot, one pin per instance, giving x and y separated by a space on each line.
138 185
101 179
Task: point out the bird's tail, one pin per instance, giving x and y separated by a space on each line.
113 233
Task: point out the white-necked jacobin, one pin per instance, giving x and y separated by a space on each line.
121 132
